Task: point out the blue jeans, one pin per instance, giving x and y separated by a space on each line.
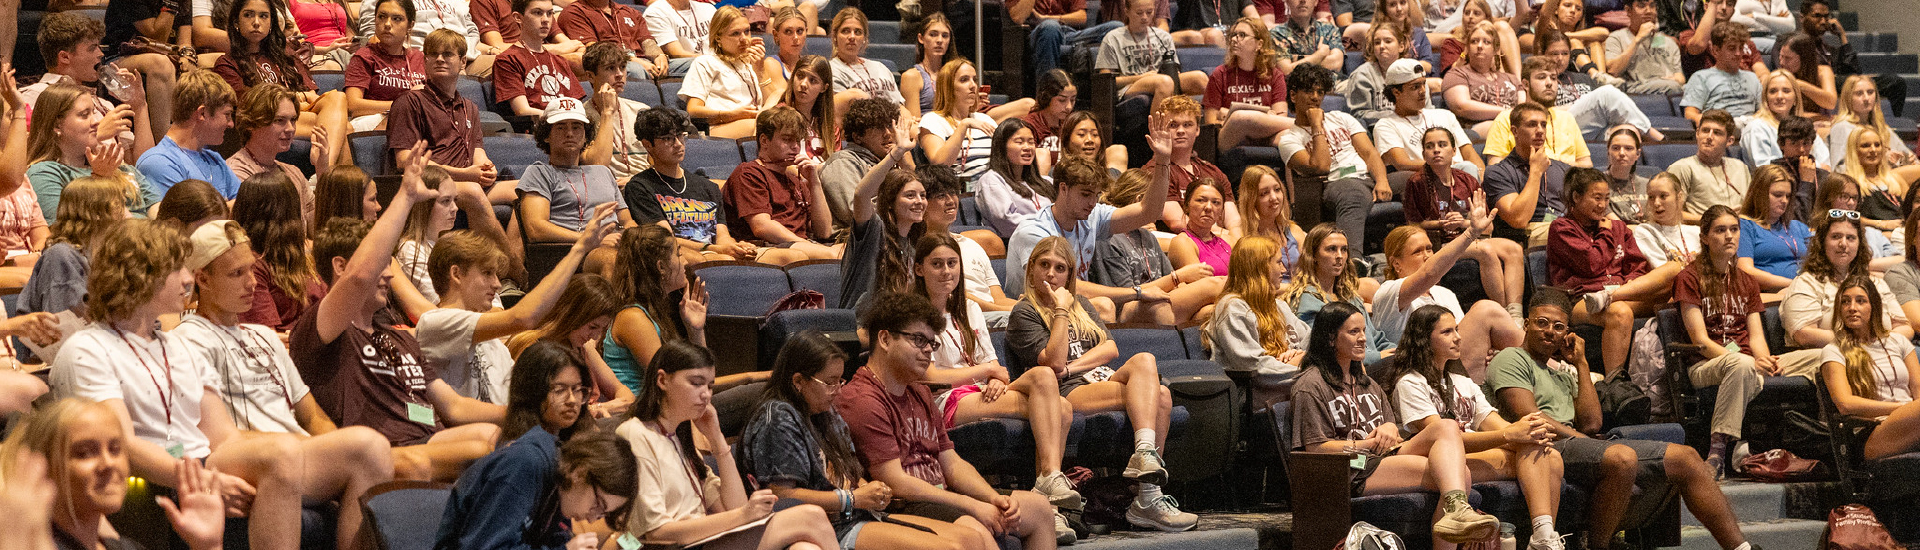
1051 40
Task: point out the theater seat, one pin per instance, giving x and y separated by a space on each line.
838 324
645 91
742 289
821 276
405 515
512 154
370 151
718 156
327 81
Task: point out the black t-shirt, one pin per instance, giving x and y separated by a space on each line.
692 204
122 14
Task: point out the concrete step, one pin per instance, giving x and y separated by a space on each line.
1750 502
1220 539
1776 534
1874 42
1897 63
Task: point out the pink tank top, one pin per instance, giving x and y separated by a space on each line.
323 22
1213 251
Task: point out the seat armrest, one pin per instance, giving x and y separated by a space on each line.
1105 95
1207 144
1322 511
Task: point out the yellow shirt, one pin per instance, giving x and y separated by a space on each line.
1565 143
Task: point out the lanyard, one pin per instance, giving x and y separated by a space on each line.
752 80
579 190
948 335
680 454
1785 234
272 370
166 364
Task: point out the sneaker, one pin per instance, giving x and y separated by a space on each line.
1145 467
1058 490
1062 534
1163 514
1463 524
1555 543
1597 300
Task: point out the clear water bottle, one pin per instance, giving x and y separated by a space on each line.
1507 541
110 80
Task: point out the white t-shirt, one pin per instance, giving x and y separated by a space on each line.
869 75
412 256
724 87
688 27
446 337
978 269
667 486
1662 243
1398 132
1416 400
1889 366
1391 320
1808 302
949 356
974 150
161 383
251 371
1340 128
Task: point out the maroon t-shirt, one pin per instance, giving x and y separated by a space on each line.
1432 200
625 25
382 77
1726 314
1231 84
449 123
365 379
1179 178
273 306
1278 8
541 77
1043 134
1058 7
895 427
263 73
496 16
755 188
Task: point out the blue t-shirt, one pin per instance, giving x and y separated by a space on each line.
1777 252
167 163
1738 93
1086 237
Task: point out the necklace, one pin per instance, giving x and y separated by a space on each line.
669 182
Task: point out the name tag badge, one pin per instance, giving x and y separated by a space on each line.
1733 347
628 542
420 413
176 450
1359 462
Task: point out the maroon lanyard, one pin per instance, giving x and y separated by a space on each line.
166 364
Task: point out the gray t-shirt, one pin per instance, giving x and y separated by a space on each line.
1737 93
1904 279
572 191
1130 54
1657 58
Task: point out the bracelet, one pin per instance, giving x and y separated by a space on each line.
846 503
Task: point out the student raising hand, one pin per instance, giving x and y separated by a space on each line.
197 517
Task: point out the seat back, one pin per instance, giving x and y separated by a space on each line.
405 515
716 155
821 276
644 90
1162 342
897 57
480 92
742 289
670 94
370 151
512 153
1536 269
969 212
327 81
838 324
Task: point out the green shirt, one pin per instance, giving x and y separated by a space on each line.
1553 390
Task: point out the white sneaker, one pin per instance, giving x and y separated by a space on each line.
1598 300
1058 490
1163 514
1145 467
1062 533
1555 543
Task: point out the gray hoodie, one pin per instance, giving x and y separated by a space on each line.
1234 334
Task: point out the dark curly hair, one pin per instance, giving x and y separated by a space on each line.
132 259
660 122
867 114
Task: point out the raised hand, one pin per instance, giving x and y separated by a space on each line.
903 132
693 306
10 90
136 88
600 225
1160 137
410 183
320 155
197 518
26 493
1481 217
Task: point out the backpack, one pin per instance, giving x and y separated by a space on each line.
1364 536
1622 403
1854 527
1647 367
798 299
1105 501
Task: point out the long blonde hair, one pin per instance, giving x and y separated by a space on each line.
1765 113
47 432
725 17
944 98
1499 54
1859 365
1058 247
1251 221
1249 278
1306 275
1858 170
1870 118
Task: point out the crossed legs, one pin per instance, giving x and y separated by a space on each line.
1034 396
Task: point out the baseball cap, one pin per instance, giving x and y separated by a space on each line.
209 242
565 108
1401 72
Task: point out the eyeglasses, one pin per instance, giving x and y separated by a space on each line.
922 341
446 54
1543 323
1848 214
673 138
830 386
1232 36
565 391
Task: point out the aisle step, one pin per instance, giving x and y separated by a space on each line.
1750 502
1777 534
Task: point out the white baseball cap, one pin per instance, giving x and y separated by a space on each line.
565 108
1401 72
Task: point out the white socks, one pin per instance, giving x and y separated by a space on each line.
1543 528
1148 493
1144 438
1744 546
